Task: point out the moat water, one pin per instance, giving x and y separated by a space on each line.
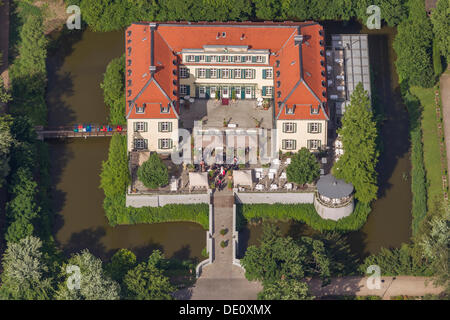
76 65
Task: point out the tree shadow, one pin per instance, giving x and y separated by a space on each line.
182 254
394 127
143 252
88 239
60 84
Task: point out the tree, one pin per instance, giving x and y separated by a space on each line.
359 134
22 208
121 262
440 17
153 172
94 283
25 271
28 72
147 282
414 48
5 96
113 90
303 168
434 242
6 142
276 257
290 289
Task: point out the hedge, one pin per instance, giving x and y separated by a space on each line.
304 213
418 178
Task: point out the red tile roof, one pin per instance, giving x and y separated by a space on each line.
300 69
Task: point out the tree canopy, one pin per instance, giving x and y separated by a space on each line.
147 282
303 168
153 173
94 283
113 90
440 17
6 142
413 46
359 134
24 274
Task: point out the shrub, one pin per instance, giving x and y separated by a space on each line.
153 173
223 244
223 232
303 168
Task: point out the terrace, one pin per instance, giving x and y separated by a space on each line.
237 114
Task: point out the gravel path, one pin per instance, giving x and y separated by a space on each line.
445 96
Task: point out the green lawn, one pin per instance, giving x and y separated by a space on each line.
431 149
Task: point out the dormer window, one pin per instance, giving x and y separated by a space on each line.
129 82
278 84
290 109
165 109
129 93
129 33
224 34
129 62
129 72
129 50
277 63
140 109
278 94
314 109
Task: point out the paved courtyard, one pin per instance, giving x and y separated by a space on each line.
243 113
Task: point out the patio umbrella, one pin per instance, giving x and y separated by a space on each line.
198 179
242 178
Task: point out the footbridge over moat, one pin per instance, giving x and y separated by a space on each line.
76 131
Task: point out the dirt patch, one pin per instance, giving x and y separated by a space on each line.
54 13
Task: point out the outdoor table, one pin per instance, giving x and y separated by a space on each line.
259 187
273 187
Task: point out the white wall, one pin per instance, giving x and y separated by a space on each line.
152 134
302 136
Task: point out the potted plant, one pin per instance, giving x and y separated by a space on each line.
217 95
230 185
225 123
233 95
223 232
266 104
